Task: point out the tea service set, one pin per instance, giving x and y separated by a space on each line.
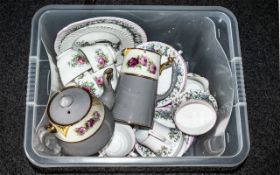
123 96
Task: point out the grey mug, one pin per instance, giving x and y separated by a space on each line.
136 93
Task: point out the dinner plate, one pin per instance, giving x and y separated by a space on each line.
196 82
139 36
90 39
164 81
89 35
97 37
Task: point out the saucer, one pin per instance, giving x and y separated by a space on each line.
164 116
177 141
88 35
196 82
188 141
139 36
195 95
164 81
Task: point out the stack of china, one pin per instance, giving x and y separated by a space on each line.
122 96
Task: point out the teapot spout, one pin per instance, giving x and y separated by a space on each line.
108 96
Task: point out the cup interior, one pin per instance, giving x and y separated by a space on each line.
195 117
122 142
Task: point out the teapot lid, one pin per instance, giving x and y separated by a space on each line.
69 106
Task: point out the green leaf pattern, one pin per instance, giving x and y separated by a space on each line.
77 60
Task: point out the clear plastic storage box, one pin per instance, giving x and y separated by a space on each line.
209 39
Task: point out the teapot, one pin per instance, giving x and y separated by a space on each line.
82 124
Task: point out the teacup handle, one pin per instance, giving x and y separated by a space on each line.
164 66
157 135
50 142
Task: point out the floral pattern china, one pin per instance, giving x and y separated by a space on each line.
164 116
142 62
101 58
88 83
195 95
77 60
175 136
88 124
181 70
138 34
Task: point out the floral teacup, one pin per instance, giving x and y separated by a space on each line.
93 82
71 63
99 56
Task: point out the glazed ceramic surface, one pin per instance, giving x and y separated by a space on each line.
135 100
164 116
135 30
195 117
163 141
146 152
86 127
122 142
165 79
142 63
93 38
90 32
117 44
93 82
71 64
79 121
188 141
196 82
99 56
136 92
194 95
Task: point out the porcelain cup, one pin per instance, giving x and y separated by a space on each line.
93 82
70 64
99 55
122 142
195 117
136 93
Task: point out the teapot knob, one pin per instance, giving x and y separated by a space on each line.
66 101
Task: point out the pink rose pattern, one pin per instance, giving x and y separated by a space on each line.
153 68
99 81
88 124
132 62
142 61
89 87
77 60
101 58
